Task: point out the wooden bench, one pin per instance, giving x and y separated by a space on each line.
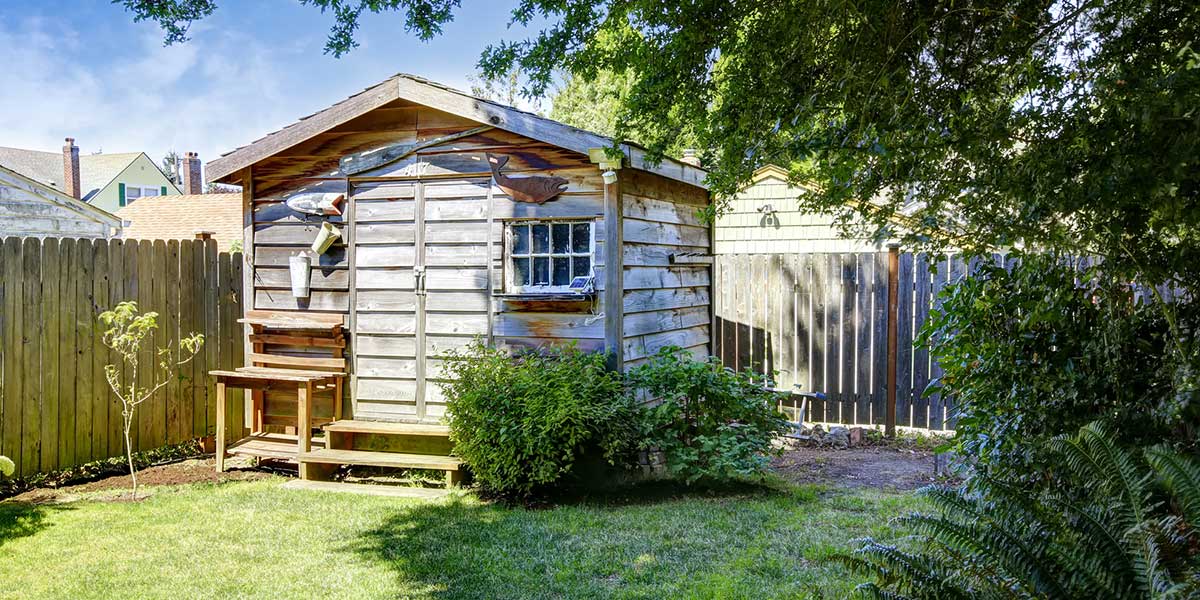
295 381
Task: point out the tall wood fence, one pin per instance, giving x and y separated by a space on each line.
821 321
56 409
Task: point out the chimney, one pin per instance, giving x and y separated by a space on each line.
190 173
71 169
690 157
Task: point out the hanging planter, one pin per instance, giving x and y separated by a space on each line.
325 238
300 266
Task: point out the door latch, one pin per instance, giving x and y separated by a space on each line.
419 272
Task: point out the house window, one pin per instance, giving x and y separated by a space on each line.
543 256
133 192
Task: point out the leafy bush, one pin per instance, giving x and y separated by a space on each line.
1029 354
1113 537
522 422
7 468
710 422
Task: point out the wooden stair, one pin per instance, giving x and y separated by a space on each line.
382 444
270 446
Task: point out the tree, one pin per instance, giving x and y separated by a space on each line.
1071 124
170 167
505 89
128 331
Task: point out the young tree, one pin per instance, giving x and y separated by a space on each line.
128 331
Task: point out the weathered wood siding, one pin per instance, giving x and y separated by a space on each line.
26 210
436 209
663 304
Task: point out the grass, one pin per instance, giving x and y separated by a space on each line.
253 539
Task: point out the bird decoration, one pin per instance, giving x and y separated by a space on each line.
316 203
535 189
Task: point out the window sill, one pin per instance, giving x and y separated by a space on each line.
555 296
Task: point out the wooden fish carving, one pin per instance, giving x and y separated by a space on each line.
535 189
316 203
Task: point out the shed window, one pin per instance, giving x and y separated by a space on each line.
543 256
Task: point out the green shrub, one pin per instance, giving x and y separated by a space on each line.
709 422
1111 537
1042 349
522 422
7 468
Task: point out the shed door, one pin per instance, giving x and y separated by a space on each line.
422 251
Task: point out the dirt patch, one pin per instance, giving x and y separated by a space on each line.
878 467
198 470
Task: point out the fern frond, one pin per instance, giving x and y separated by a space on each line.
1093 456
1181 475
922 575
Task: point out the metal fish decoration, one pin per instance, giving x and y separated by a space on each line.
316 203
535 189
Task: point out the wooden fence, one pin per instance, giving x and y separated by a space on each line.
821 321
56 409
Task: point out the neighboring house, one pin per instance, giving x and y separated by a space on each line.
182 217
765 218
33 209
106 181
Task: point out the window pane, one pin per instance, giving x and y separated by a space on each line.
150 192
562 238
133 192
581 237
562 270
541 271
581 266
541 239
521 271
520 235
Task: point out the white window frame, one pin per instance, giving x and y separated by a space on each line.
511 287
157 191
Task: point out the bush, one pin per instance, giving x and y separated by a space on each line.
709 422
1029 354
1109 538
522 422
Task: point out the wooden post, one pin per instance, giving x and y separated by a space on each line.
220 402
304 424
892 328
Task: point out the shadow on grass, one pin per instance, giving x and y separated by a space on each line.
575 545
23 519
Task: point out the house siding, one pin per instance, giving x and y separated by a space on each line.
141 172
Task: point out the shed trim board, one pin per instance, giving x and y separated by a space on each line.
111 223
422 262
422 91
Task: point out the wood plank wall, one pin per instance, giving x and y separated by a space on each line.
56 410
820 321
664 304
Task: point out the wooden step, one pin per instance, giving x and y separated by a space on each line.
277 446
381 459
387 428
393 491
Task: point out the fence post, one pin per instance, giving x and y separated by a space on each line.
892 343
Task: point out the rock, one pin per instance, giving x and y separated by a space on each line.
856 435
839 437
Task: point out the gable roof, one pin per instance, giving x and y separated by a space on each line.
83 209
435 95
96 171
180 217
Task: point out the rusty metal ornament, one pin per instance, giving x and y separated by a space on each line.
534 189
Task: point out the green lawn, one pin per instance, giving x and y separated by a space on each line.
253 539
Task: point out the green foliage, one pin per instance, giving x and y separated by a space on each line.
711 423
1027 355
1111 537
7 468
128 331
522 423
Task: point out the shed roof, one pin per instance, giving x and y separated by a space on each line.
10 176
422 91
180 217
95 170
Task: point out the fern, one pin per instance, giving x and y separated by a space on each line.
1103 532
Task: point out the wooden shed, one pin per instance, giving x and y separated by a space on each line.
443 240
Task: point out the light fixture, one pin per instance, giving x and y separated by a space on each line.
610 177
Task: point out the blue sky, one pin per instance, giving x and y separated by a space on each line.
83 69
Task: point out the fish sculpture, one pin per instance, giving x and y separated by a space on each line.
316 203
535 189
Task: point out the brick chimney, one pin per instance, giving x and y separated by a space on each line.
71 183
190 174
690 157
